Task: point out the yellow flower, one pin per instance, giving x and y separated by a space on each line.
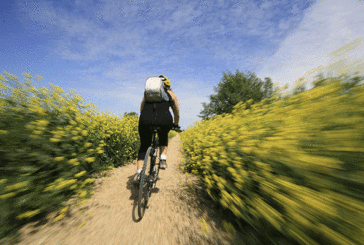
57 159
88 144
43 123
48 188
11 194
90 159
37 132
80 174
3 78
72 161
65 183
63 210
16 186
26 74
203 225
89 180
82 194
83 202
3 132
59 217
28 214
54 140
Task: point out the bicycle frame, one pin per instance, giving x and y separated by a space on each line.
154 151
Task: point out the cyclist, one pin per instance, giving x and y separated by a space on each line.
157 115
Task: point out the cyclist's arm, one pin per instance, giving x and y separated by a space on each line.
175 107
142 105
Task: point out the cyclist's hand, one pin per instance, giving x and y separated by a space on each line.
176 126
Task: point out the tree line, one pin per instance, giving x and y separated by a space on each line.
241 87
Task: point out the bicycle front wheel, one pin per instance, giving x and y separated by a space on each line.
144 186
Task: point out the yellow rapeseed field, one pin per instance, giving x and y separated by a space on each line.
50 144
295 162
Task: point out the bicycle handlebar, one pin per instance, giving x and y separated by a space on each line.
175 126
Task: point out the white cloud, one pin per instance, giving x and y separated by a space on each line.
121 28
128 41
326 26
189 109
190 106
114 93
295 10
266 5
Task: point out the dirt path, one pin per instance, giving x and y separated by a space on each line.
174 215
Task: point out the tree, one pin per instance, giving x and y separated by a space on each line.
267 88
299 86
130 114
320 80
233 89
351 81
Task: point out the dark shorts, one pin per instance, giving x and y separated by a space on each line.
154 117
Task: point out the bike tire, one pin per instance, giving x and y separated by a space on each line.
144 186
157 166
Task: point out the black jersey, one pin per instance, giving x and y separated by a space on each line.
157 113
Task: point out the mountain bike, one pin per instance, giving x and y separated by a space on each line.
148 182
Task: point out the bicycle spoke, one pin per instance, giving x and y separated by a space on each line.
143 187
148 181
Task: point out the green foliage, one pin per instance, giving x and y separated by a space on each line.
50 144
348 81
131 114
233 89
320 80
171 134
299 87
294 165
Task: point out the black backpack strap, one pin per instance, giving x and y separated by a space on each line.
169 96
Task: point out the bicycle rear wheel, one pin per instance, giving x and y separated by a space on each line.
144 186
157 166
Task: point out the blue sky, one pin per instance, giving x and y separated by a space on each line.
107 49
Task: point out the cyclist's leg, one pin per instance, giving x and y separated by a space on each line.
164 150
145 141
163 140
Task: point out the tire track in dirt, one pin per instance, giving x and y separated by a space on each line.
110 215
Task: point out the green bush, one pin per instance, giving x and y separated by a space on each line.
50 144
171 134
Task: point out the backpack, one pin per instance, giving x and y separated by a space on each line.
154 90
